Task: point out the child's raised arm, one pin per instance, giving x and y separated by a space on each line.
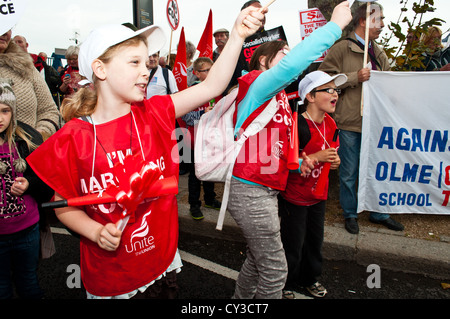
247 23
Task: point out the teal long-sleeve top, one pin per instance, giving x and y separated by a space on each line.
277 78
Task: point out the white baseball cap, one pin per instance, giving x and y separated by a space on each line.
102 38
317 78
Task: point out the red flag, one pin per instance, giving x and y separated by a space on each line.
179 67
180 70
205 45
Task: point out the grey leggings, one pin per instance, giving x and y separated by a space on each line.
255 210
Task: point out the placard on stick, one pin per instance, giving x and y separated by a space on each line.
10 13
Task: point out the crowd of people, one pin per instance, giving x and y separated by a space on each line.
115 97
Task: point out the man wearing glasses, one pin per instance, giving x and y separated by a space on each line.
347 57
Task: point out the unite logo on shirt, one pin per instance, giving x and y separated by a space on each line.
140 241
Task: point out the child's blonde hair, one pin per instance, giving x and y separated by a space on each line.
20 165
84 102
8 98
429 36
10 132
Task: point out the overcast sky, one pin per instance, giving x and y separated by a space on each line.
51 24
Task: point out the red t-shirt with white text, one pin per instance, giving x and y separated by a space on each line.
149 241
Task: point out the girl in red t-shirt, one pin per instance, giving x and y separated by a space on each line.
104 125
260 171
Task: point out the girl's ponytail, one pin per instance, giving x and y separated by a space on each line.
80 104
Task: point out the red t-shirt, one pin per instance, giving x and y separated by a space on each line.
299 190
263 157
149 241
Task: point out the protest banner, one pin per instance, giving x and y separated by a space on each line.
253 42
10 13
405 149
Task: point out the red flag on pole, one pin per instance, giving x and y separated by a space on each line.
205 45
179 67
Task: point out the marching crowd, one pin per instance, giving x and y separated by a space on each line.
60 127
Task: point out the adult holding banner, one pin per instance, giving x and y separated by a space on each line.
348 57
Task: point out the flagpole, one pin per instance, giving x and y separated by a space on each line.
268 5
366 49
366 43
170 48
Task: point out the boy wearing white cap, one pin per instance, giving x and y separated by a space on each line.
301 206
104 125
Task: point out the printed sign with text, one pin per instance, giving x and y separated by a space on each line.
311 20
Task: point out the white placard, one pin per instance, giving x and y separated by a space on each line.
10 13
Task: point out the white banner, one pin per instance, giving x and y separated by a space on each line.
405 149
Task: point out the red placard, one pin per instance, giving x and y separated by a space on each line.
311 20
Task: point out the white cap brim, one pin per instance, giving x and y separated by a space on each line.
318 78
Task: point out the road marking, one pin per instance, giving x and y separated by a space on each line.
61 231
196 261
209 265
187 257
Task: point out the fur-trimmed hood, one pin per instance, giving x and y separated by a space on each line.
16 59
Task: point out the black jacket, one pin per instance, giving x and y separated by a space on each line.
40 191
